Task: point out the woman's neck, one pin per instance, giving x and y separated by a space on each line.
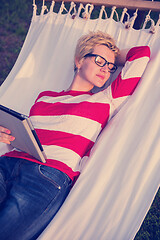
78 84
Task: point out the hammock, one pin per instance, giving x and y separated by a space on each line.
120 180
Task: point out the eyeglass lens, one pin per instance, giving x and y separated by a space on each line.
102 62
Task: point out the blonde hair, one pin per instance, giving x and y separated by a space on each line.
87 43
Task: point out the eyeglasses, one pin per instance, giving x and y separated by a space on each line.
101 62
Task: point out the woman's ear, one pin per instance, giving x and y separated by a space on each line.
78 62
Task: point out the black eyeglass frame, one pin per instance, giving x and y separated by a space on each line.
106 62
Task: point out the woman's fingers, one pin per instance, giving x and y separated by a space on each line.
5 136
4 130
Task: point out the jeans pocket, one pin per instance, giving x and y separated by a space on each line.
50 175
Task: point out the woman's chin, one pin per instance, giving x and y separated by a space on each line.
99 85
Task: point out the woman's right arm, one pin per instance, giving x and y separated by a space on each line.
136 61
5 136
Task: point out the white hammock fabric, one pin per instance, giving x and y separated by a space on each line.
119 182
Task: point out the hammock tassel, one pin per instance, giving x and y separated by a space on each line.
73 7
34 9
103 11
158 23
114 11
152 28
123 14
88 10
63 8
44 8
80 9
130 22
52 6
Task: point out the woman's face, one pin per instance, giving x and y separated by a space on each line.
90 72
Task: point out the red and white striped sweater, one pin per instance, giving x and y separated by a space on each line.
68 123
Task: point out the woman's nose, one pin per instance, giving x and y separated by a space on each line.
105 68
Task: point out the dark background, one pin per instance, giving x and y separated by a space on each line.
15 18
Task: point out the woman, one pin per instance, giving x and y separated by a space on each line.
67 124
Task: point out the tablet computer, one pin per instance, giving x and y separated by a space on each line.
22 129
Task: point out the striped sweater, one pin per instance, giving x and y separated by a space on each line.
68 123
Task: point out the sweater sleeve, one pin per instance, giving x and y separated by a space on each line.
136 62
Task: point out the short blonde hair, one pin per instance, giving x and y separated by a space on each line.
87 43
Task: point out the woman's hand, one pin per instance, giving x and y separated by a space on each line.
5 136
121 58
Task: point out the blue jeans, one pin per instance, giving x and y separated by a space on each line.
30 196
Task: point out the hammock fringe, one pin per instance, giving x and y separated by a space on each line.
86 11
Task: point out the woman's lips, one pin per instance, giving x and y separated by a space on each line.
101 76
